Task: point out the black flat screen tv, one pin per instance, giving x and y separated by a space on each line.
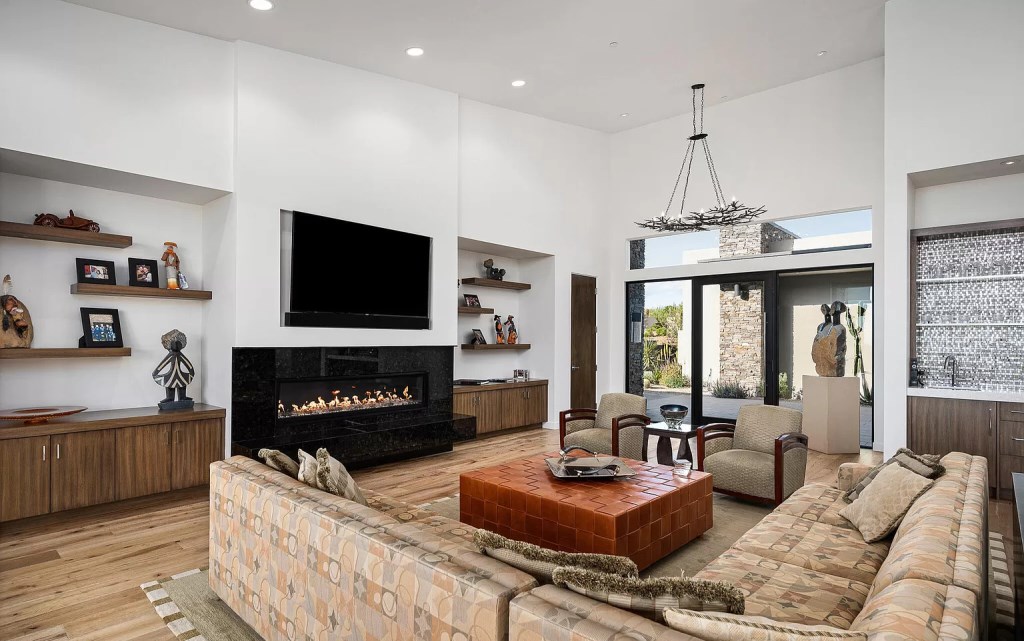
346 274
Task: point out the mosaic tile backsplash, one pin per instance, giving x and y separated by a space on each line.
970 305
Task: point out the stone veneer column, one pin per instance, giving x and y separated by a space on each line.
635 301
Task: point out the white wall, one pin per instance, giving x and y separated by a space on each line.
952 97
809 147
536 184
318 137
43 272
972 201
104 90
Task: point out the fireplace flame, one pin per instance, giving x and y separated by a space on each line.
373 398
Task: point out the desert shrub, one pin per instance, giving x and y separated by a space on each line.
672 376
784 390
728 389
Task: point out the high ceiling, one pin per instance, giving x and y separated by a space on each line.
560 47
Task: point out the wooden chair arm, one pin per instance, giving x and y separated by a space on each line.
783 444
624 421
710 432
566 416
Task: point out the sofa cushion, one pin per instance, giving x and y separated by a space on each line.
541 562
744 471
650 597
926 465
721 626
916 610
819 503
279 461
819 547
331 476
881 506
788 593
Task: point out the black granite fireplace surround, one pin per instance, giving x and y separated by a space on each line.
404 408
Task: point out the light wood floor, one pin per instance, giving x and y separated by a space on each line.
76 575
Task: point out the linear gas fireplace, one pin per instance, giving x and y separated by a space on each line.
310 399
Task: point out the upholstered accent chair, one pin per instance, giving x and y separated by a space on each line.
616 427
763 457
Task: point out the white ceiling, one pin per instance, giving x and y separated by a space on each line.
560 47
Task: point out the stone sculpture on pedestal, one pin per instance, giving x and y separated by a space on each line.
829 348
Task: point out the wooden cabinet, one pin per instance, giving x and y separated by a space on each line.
82 469
195 445
143 460
98 457
24 477
503 406
944 425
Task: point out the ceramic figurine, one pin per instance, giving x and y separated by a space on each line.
510 327
493 272
174 372
829 348
499 331
172 264
16 324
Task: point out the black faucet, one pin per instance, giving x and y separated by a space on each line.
950 362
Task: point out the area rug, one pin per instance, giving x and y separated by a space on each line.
193 612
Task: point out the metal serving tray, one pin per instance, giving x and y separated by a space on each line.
591 467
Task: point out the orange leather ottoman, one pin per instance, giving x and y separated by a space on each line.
644 517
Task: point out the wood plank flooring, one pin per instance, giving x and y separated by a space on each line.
75 576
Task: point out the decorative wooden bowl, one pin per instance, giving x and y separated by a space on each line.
38 415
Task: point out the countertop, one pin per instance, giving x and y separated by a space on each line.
966 394
462 389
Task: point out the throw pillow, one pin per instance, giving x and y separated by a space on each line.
331 476
880 508
307 469
927 465
279 461
541 562
720 626
650 597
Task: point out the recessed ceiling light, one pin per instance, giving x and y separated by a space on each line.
415 52
261 5
624 114
822 52
1009 162
613 44
518 83
724 97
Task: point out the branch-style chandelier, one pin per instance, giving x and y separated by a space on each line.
723 214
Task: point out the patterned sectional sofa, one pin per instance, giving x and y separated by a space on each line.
298 563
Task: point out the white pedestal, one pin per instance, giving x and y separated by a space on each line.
832 414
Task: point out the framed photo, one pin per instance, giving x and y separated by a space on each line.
478 338
472 300
101 328
143 273
95 271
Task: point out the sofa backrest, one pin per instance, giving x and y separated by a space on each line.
294 562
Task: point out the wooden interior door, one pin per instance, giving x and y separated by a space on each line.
583 350
194 446
24 477
143 460
82 471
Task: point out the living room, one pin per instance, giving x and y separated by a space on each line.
475 179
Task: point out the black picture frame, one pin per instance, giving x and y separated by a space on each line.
100 272
101 327
478 338
471 300
140 266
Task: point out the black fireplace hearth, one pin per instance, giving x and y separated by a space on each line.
366 405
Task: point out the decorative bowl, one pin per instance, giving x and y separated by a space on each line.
37 415
674 415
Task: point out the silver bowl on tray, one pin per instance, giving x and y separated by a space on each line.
674 415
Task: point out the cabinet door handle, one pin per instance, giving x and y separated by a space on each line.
44 452
1016 412
167 434
58 451
990 411
1019 440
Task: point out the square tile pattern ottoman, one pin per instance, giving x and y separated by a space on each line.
644 517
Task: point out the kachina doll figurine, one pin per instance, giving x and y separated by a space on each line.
172 263
510 327
174 372
15 321
499 331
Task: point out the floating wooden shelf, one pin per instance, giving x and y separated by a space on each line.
65 352
476 310
59 235
497 346
97 289
498 284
